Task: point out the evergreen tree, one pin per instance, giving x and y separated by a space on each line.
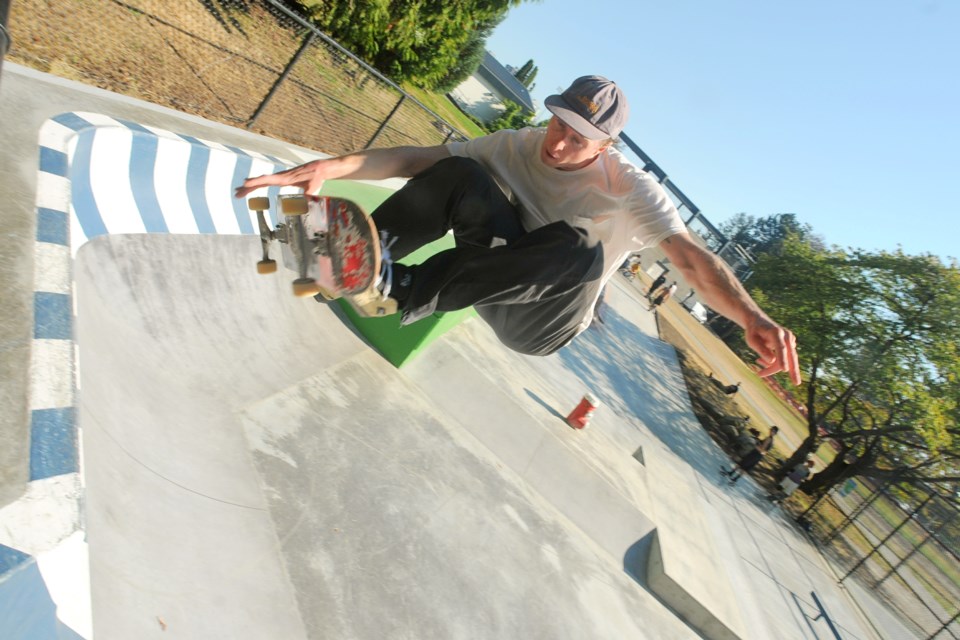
513 117
419 41
471 56
524 71
528 83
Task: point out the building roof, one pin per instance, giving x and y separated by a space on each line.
504 82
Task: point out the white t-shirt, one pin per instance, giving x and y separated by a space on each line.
614 201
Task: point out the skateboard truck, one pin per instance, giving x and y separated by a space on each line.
293 233
265 265
294 208
332 246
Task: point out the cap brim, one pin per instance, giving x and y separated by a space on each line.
556 105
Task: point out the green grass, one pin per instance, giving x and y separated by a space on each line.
442 105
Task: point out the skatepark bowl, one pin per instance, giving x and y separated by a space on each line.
214 458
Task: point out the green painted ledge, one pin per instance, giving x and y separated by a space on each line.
396 343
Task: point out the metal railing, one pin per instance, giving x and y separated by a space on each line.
739 260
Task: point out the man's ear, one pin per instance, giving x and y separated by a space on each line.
603 147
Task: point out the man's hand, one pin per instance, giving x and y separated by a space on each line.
776 346
308 177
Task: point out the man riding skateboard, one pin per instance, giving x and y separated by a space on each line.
542 217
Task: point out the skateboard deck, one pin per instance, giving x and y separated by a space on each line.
331 244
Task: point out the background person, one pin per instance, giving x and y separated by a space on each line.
796 477
656 284
749 461
663 296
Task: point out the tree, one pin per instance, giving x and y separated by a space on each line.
526 74
522 73
879 340
767 235
418 41
513 117
470 57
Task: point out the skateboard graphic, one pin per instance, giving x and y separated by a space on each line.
332 245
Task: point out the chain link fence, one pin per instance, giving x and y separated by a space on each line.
246 63
902 548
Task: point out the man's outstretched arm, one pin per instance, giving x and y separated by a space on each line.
372 164
720 289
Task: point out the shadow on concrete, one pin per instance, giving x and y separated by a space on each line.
543 403
635 560
636 376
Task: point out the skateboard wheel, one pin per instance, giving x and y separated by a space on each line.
258 204
293 205
267 266
305 288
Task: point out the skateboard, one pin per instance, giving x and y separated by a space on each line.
331 244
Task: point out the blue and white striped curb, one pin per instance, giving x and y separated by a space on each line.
100 175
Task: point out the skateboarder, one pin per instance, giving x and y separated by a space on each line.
541 218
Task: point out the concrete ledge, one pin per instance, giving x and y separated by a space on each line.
682 566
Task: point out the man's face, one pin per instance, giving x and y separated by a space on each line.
565 149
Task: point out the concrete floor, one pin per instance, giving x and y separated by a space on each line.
251 468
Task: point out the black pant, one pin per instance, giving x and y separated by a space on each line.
533 288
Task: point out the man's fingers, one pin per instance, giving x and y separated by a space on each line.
302 177
242 190
779 356
252 184
793 360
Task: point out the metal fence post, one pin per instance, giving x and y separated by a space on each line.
383 125
4 34
283 76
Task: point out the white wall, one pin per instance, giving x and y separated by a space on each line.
478 99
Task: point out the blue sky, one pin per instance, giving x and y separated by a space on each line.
845 112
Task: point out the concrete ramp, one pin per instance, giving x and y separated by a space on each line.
254 470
